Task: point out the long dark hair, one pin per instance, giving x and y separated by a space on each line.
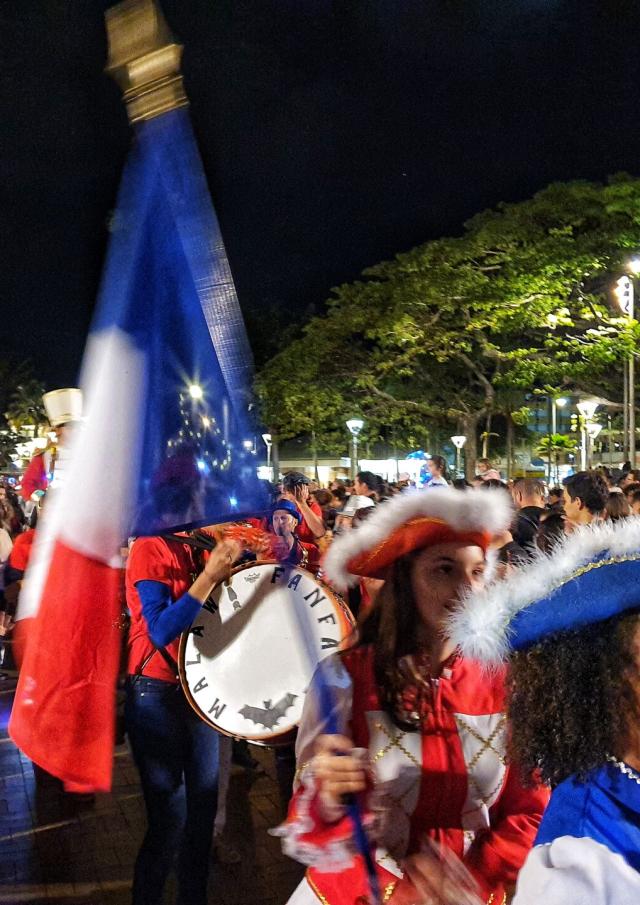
392 626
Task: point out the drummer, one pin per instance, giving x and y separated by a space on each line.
175 751
283 523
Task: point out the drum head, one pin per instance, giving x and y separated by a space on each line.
247 660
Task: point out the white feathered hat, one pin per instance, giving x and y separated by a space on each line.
412 521
590 576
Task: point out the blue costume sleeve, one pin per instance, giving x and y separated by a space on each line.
165 620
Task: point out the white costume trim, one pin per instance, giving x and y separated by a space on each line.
572 871
468 510
480 627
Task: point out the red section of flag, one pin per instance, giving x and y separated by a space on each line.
63 716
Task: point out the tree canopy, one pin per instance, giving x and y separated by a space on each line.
458 329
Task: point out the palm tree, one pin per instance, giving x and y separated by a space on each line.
556 445
26 406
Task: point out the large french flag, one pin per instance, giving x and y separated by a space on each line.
165 377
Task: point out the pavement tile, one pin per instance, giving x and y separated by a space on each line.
56 850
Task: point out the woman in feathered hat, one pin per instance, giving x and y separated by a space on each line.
450 821
570 623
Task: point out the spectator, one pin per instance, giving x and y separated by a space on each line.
631 488
617 507
631 476
437 468
634 502
486 471
295 488
367 484
551 531
585 498
528 496
555 498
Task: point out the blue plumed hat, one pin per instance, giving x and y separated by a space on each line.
590 576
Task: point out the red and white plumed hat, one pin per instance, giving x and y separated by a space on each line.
412 521
63 406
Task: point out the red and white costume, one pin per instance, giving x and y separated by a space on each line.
447 782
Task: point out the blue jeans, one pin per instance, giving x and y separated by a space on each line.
177 756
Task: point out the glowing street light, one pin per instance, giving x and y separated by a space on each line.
624 296
195 391
587 409
458 441
355 426
268 442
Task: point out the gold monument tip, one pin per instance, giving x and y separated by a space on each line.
144 59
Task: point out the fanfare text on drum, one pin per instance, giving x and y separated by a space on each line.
243 663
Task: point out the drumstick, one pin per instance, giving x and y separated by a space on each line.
328 711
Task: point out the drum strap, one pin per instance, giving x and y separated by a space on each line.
166 656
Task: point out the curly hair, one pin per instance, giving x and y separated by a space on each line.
572 699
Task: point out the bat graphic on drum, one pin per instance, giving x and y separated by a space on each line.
243 665
268 715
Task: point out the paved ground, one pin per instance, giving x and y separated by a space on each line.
57 850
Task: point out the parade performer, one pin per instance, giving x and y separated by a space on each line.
63 408
431 721
283 522
175 751
571 623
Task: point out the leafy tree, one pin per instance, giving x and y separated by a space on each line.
26 406
458 329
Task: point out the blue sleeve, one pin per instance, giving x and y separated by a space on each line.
165 620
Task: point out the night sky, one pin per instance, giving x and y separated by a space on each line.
334 134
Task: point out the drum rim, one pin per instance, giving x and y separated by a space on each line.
272 741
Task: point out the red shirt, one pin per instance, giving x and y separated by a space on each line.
35 477
19 556
303 531
172 564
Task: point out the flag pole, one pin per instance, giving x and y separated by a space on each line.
144 60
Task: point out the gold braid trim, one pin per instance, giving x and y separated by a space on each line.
299 771
389 890
316 890
493 901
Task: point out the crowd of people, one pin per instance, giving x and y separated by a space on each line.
434 748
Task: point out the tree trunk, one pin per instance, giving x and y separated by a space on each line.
487 434
275 457
470 430
314 453
510 444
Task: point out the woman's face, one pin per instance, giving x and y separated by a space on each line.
440 574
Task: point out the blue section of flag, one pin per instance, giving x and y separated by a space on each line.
168 287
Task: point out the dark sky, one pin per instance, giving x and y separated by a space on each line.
334 134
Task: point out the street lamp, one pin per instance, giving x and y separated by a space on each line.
624 296
268 442
554 404
458 441
354 425
587 409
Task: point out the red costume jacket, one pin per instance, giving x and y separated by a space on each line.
447 781
35 476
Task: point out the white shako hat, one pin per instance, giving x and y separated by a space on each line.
63 406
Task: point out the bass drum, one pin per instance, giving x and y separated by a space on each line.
247 660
